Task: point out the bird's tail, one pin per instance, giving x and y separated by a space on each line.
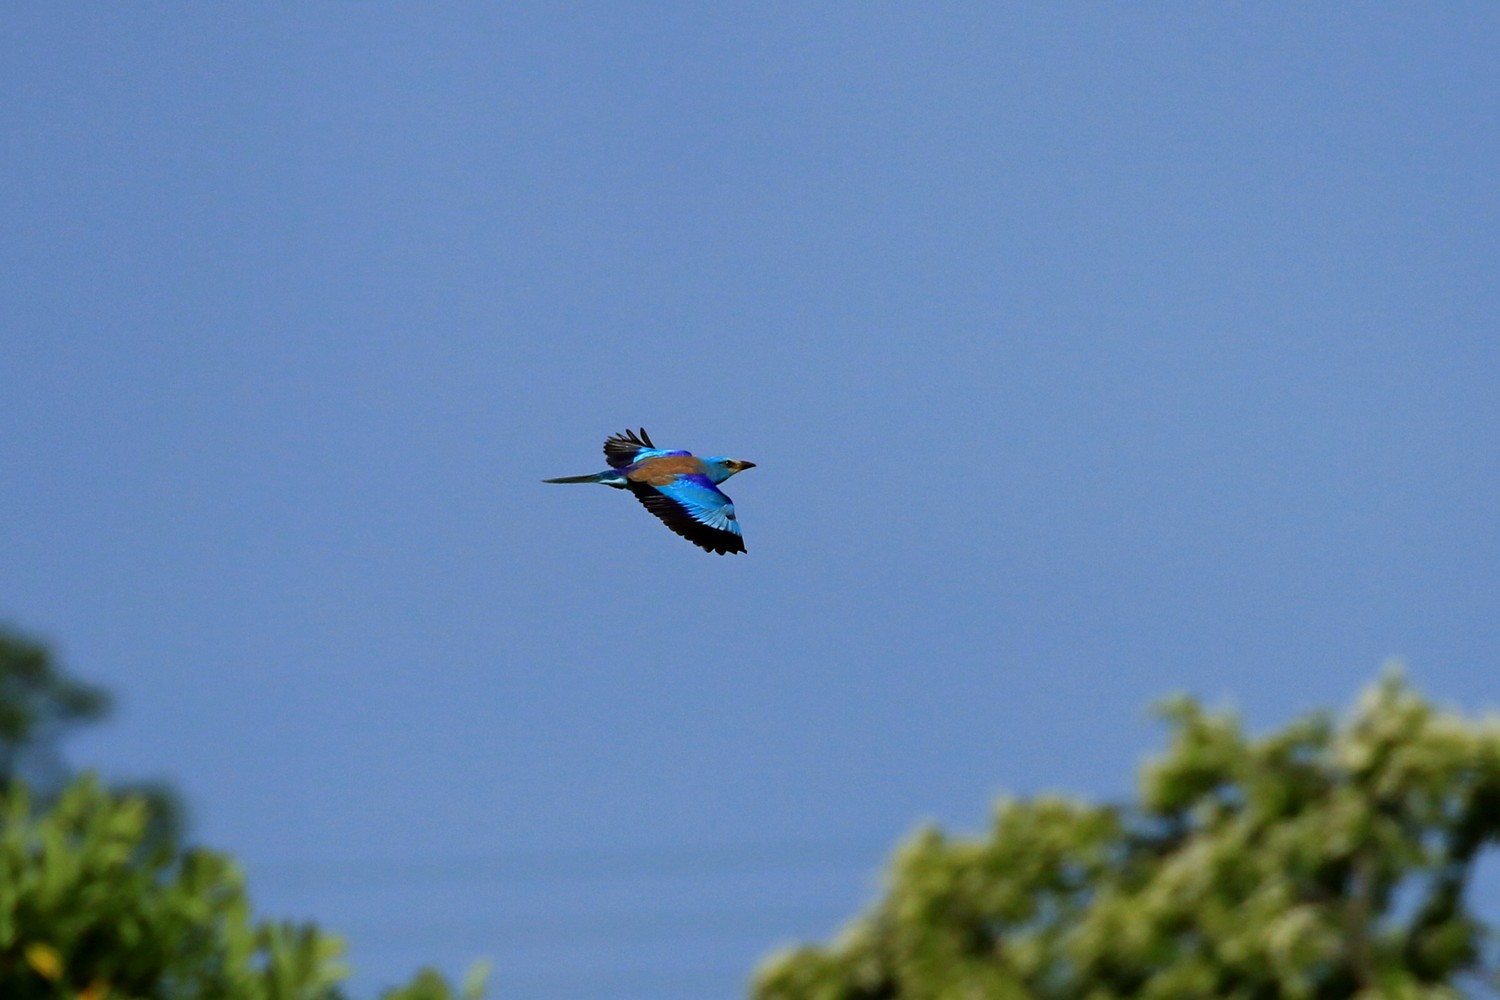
597 477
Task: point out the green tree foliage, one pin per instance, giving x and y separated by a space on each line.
91 909
1328 860
38 704
98 901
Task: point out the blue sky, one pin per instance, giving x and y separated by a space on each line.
1088 354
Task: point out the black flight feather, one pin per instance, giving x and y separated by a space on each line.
620 449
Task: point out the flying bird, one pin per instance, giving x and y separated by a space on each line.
676 486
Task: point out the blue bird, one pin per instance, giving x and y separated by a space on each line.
676 486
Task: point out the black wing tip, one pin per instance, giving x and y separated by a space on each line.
718 548
709 539
630 438
620 449
730 546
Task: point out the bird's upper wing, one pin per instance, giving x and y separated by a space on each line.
696 509
625 449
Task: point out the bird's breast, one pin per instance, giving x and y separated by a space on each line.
661 471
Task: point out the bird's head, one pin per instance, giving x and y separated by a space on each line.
720 469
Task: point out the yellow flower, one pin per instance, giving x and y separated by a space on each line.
45 960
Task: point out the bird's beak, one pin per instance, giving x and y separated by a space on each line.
746 465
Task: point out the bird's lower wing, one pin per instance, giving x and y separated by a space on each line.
697 510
